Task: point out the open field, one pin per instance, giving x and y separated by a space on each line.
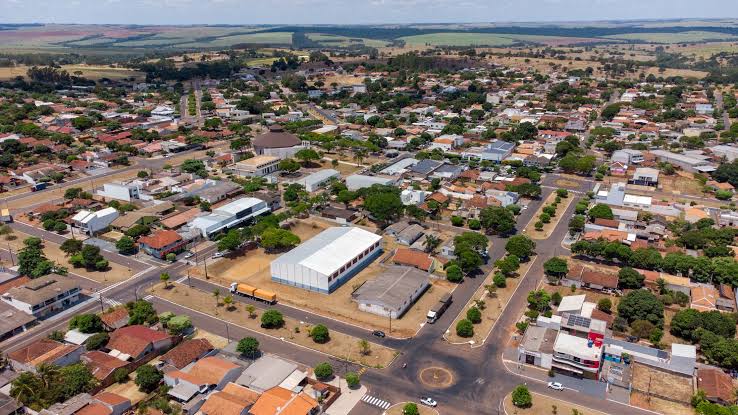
283 38
681 37
549 227
459 39
344 168
116 273
662 383
340 345
344 41
494 306
88 71
544 405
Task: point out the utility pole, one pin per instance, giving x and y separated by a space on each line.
228 334
205 262
102 308
188 278
10 249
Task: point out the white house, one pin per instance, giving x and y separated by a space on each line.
120 191
92 222
162 111
327 260
44 295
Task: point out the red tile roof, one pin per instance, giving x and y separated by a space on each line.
716 384
411 257
101 364
187 352
160 239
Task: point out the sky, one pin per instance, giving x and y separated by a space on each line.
165 12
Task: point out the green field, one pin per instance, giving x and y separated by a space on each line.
681 37
343 41
459 39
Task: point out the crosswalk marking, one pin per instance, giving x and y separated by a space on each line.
148 298
112 302
181 280
361 371
374 401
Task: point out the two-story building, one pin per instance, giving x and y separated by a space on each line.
43 296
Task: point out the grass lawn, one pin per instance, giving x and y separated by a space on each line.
494 306
340 345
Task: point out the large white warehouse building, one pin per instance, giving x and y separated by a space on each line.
327 260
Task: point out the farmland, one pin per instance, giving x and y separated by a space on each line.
459 39
683 37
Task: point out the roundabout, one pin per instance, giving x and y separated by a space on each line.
436 377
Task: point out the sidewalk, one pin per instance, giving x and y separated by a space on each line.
348 399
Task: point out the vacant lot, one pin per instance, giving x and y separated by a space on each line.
591 296
661 383
128 390
681 183
543 405
659 405
340 345
345 169
494 305
115 274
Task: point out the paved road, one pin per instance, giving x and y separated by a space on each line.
721 106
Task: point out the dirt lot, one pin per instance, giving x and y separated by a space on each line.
115 274
548 228
659 405
680 183
253 268
422 409
128 390
544 405
591 296
493 306
343 168
661 383
340 345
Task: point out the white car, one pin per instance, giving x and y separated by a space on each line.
188 255
218 254
556 386
428 401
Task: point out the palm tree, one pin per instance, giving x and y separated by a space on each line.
26 387
359 155
48 374
216 294
431 243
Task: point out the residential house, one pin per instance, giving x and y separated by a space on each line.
136 342
115 318
13 321
44 351
410 234
43 296
187 352
94 222
102 365
726 298
209 373
161 243
645 176
717 385
413 258
232 400
125 191
281 401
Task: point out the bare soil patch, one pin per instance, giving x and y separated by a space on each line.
659 405
660 383
340 345
543 405
549 227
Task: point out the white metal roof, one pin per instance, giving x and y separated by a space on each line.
331 249
576 346
571 303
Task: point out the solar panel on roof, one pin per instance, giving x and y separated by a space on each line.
577 320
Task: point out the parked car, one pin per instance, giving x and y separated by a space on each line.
378 333
218 255
556 386
188 255
428 401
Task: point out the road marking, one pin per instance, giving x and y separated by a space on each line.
361 371
112 302
374 401
181 280
148 297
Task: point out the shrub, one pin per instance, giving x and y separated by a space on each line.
320 334
474 315
453 274
499 280
474 224
97 341
120 375
323 370
605 305
457 220
464 328
521 397
352 379
410 409
272 319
